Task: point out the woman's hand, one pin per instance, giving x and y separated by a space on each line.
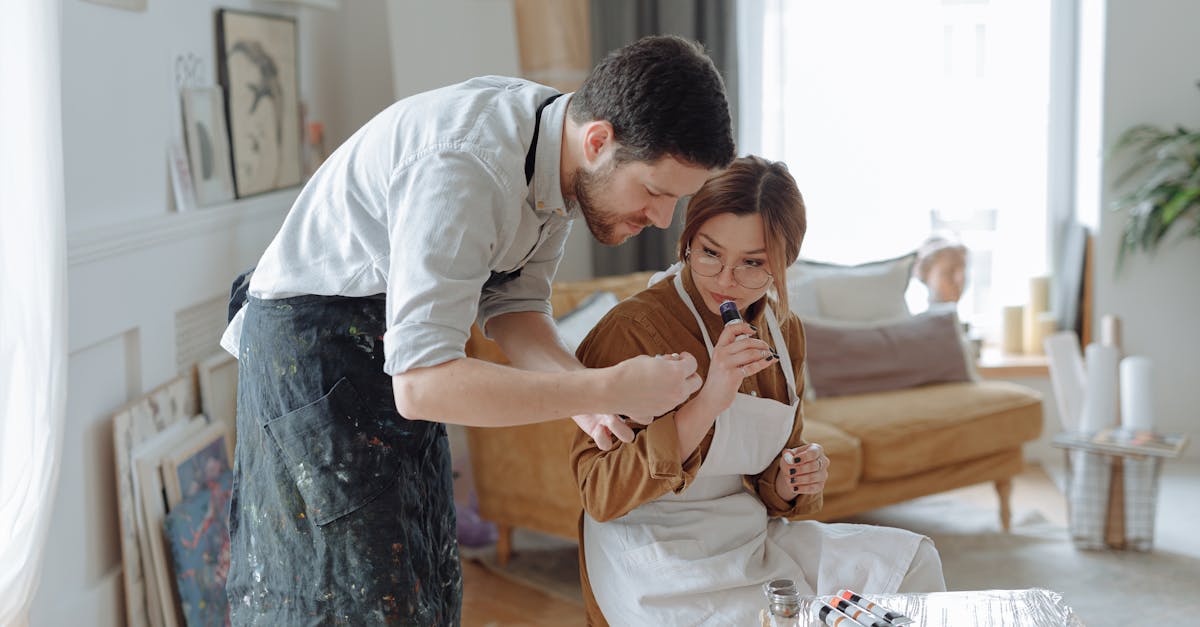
806 474
733 360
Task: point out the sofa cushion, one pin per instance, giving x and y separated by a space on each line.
843 451
847 358
903 432
865 292
574 325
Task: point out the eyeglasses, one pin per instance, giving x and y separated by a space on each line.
708 264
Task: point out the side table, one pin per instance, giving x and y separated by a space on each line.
1112 485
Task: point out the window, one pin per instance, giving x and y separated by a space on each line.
898 118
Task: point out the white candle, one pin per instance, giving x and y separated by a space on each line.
1012 329
1100 399
1137 398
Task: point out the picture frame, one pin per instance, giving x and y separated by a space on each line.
218 391
256 67
147 460
197 461
207 138
170 404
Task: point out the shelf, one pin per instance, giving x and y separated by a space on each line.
97 243
995 364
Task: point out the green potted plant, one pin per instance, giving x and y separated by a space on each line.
1165 173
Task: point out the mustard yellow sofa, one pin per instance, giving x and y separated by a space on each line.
884 447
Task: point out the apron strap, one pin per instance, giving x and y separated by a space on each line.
500 278
531 156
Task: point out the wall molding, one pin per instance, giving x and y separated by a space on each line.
93 244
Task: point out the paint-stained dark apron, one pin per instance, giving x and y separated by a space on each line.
342 510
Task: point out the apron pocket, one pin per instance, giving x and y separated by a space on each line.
665 554
338 465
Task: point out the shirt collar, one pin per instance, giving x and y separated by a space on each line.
546 190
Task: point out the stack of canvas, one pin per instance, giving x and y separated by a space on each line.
173 475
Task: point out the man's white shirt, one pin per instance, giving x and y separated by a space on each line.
422 204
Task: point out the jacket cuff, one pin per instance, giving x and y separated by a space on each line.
776 506
662 454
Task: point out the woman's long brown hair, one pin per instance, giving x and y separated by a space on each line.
754 185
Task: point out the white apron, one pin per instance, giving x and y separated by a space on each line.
701 557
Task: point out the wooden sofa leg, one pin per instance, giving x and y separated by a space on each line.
503 544
1004 491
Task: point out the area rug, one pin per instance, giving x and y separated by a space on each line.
1103 587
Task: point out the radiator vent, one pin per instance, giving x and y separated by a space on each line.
198 332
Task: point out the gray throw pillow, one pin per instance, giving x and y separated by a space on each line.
845 359
869 292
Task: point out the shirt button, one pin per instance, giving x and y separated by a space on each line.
541 205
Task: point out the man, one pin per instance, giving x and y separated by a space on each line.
450 207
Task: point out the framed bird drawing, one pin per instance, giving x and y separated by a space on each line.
256 67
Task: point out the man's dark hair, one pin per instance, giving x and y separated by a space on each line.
663 96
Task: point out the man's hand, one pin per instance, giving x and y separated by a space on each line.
805 474
644 387
602 428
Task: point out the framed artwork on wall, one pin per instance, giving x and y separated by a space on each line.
256 66
208 144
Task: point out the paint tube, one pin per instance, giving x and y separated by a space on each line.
893 617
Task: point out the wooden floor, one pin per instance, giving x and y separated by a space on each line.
490 600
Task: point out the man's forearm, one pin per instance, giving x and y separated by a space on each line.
530 340
479 393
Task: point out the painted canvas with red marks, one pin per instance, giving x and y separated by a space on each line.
198 532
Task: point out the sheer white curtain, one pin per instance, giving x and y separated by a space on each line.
33 266
899 118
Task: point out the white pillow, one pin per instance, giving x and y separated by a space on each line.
867 292
574 325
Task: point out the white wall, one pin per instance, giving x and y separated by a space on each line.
134 262
435 44
1149 76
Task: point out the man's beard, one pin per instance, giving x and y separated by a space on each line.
602 223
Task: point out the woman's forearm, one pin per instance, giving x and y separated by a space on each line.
693 419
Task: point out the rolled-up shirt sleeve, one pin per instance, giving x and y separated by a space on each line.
531 290
614 482
449 210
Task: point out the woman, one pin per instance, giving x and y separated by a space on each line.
670 533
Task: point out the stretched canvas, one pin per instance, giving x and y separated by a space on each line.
196 461
198 533
218 390
256 66
137 422
208 144
148 489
